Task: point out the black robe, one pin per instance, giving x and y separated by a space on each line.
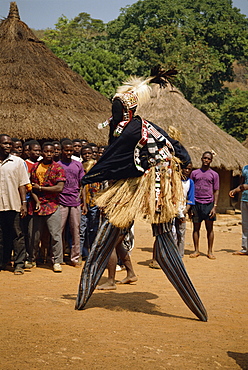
118 160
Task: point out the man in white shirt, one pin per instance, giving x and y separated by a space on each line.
13 178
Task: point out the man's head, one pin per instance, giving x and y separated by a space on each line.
34 150
66 150
5 145
86 153
101 150
94 150
186 170
17 145
206 159
47 152
77 146
57 150
25 152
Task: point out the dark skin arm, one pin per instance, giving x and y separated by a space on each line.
49 189
83 204
36 199
243 187
213 210
22 192
239 188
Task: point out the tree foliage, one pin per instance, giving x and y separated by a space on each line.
234 114
201 38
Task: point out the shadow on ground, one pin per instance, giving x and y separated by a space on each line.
133 302
240 358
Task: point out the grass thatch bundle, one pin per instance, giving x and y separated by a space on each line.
40 96
245 143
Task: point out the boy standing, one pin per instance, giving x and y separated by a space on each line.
189 199
48 179
206 197
69 198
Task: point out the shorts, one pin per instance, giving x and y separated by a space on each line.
201 212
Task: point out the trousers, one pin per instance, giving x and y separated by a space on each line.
244 213
11 238
73 216
53 222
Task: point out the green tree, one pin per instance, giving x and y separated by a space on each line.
201 38
234 114
81 42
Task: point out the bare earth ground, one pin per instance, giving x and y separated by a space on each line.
141 326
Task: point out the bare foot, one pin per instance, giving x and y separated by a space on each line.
194 255
128 280
154 265
211 256
107 286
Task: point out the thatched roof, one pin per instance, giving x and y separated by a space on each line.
168 107
40 96
245 143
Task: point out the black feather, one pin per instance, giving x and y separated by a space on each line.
161 76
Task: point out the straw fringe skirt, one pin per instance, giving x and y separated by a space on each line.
135 198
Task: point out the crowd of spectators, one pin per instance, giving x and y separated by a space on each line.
45 215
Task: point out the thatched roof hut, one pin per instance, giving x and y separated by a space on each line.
168 107
40 96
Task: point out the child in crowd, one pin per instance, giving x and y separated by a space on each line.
90 212
189 200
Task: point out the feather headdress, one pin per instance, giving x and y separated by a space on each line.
139 86
136 90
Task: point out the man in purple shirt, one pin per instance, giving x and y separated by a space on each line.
206 197
69 199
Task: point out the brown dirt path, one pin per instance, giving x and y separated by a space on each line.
141 326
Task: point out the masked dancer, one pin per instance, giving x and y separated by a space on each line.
143 164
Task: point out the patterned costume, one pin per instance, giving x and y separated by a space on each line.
144 162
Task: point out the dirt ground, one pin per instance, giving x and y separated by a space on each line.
141 326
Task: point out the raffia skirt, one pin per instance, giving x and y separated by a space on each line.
154 197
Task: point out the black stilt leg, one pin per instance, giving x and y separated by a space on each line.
171 263
96 262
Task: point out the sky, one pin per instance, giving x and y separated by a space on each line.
41 14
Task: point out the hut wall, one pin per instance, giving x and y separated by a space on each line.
224 202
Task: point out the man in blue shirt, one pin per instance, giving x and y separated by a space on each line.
243 187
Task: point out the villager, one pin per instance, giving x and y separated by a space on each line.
77 146
48 179
57 150
206 183
243 187
87 153
90 215
69 199
184 208
17 146
95 150
13 206
101 150
25 151
27 224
